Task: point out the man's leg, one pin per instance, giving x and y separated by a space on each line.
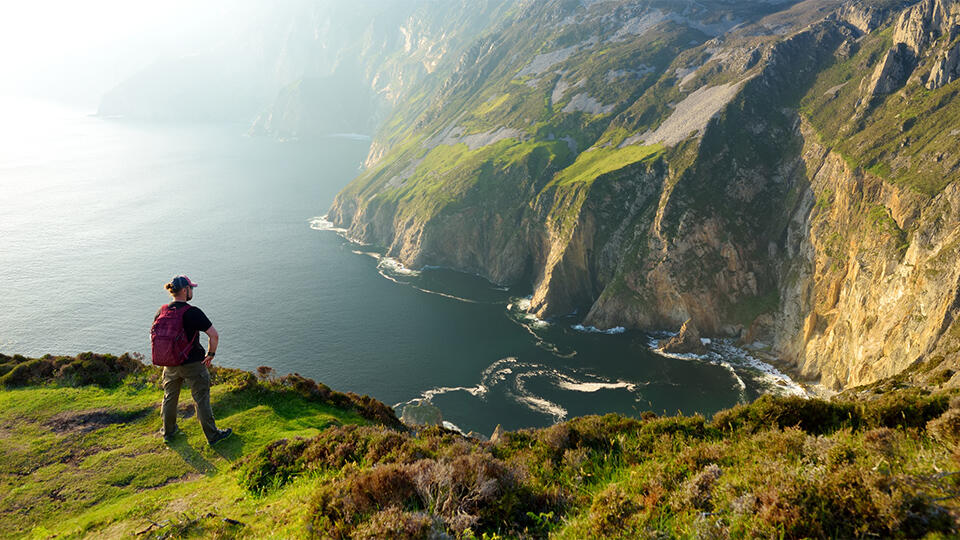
171 395
199 380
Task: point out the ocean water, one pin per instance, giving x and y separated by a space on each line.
96 215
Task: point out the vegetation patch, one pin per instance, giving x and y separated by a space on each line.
599 161
87 460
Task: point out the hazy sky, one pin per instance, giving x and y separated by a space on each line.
76 50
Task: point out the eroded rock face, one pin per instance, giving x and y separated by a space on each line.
946 69
865 302
866 19
892 72
687 340
924 22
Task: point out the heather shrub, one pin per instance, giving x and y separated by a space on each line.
788 443
610 509
882 440
86 368
946 427
696 491
846 502
272 466
474 491
810 415
790 468
395 524
906 408
338 507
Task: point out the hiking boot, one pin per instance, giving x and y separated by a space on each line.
167 437
221 435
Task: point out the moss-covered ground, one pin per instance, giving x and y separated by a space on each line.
87 461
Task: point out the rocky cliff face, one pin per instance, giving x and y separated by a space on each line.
784 173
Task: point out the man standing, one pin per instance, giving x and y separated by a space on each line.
193 368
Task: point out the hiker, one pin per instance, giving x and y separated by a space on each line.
175 340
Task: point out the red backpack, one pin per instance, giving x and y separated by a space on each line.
168 338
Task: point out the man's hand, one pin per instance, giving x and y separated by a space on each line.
214 340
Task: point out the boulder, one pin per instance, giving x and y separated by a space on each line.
421 413
687 340
497 434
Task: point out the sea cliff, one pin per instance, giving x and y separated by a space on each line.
783 175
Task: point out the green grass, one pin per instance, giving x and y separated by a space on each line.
904 138
88 462
748 308
85 459
594 163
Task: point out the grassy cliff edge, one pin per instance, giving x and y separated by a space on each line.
83 458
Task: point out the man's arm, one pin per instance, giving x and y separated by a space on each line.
214 341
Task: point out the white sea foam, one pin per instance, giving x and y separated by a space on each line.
321 223
710 357
393 269
396 267
769 375
372 254
535 322
511 377
595 386
738 362
595 330
544 406
476 391
519 308
451 426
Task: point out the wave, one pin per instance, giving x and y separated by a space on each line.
511 377
395 271
394 266
452 427
517 310
738 362
321 223
595 330
595 386
771 377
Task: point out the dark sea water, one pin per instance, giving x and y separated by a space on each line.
96 215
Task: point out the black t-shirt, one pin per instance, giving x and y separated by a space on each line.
194 322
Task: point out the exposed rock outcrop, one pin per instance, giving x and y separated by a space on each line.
864 18
925 22
687 340
421 413
892 72
946 69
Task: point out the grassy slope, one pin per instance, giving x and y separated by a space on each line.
904 138
87 461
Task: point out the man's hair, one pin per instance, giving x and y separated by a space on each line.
171 290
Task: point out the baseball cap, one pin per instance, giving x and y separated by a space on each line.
179 282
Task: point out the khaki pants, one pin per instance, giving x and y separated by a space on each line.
197 376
